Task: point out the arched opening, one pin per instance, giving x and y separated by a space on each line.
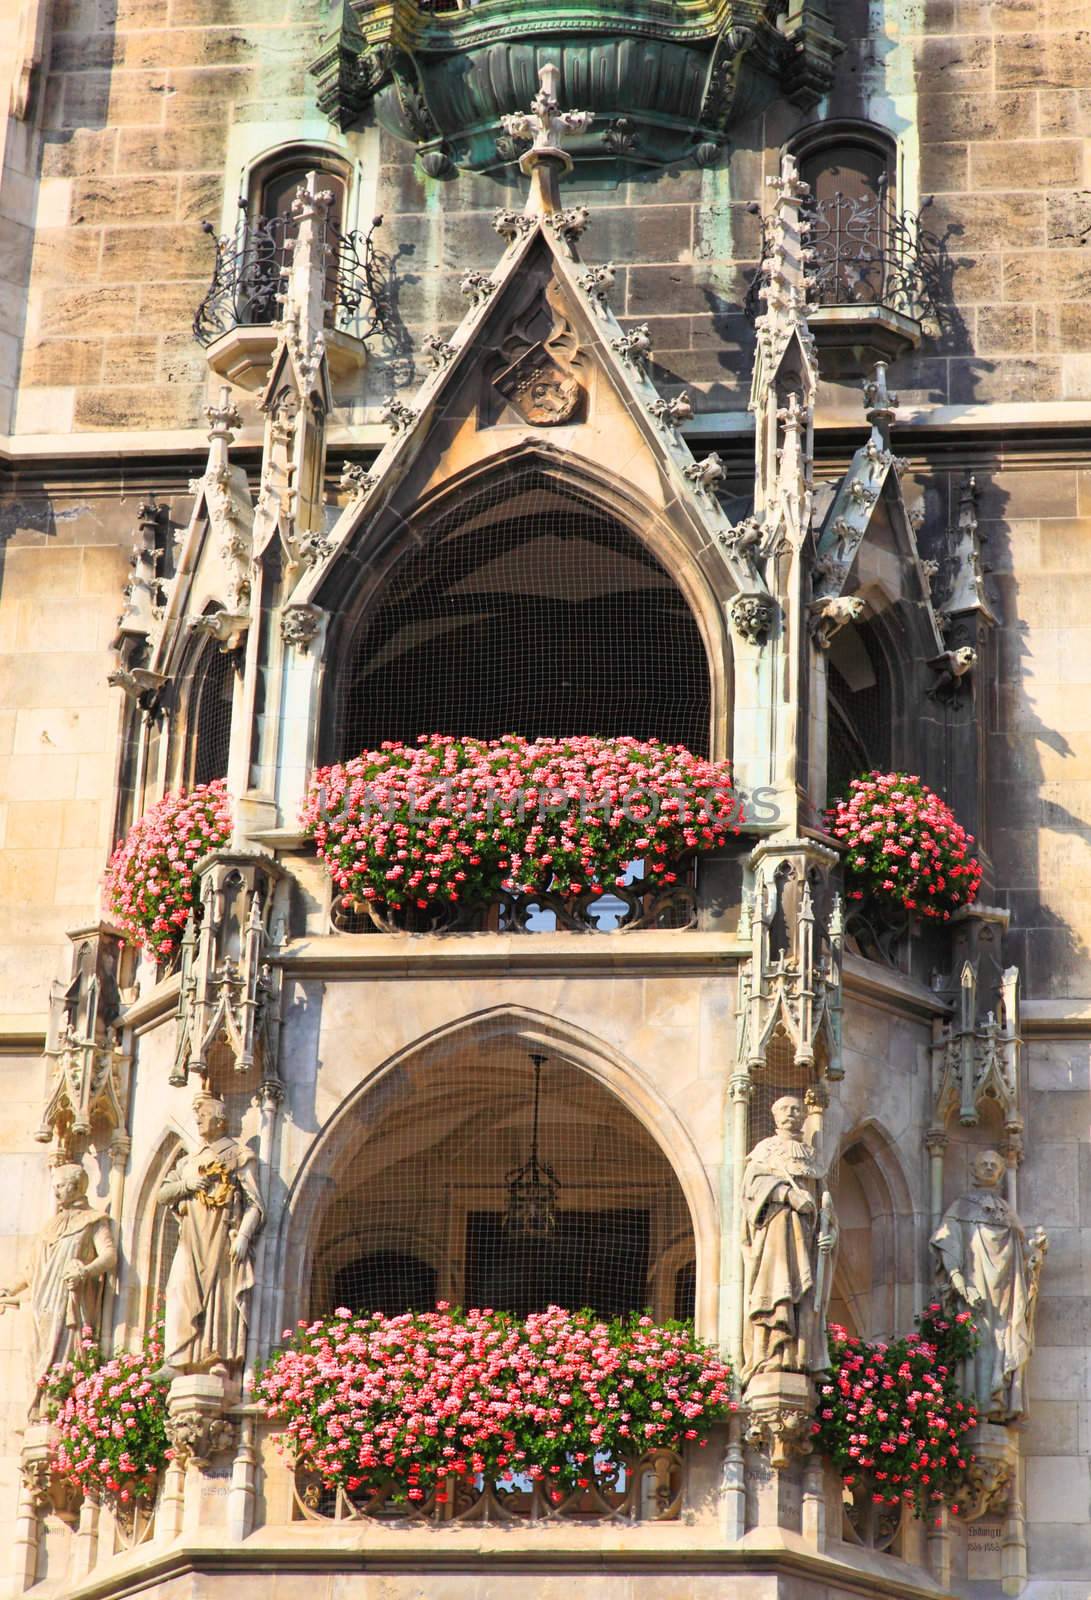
523 608
860 708
483 1170
272 226
874 1287
850 169
206 700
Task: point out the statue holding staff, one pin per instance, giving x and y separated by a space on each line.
789 1232
986 1261
71 1259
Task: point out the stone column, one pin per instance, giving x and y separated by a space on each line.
33 1502
733 1482
935 1141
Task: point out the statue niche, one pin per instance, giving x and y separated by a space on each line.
534 372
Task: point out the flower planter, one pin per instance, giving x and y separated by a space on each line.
149 880
479 1416
433 836
904 849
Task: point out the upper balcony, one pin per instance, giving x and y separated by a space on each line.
664 81
876 279
237 319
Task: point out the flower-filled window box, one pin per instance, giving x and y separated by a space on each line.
426 835
904 847
893 1421
149 879
450 1414
109 1423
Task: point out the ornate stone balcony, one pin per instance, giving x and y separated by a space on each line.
237 321
876 280
664 81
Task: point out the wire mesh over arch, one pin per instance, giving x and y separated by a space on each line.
443 1184
524 607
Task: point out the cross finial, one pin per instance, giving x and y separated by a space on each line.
544 124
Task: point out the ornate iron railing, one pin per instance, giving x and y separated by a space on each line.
864 253
619 910
647 1490
250 270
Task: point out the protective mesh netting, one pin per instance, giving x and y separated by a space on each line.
206 691
436 1187
524 609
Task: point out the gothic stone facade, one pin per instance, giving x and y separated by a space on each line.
128 122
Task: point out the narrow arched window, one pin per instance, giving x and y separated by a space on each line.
209 703
850 170
272 226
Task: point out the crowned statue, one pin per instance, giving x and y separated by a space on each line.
71 1259
789 1233
987 1262
214 1192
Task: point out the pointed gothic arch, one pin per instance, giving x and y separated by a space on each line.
533 593
874 1292
634 1193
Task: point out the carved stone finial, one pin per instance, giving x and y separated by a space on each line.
880 405
669 413
511 224
299 625
569 224
438 351
398 416
544 125
224 417
635 347
706 474
596 283
357 480
477 287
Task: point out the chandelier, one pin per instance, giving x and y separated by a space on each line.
532 1188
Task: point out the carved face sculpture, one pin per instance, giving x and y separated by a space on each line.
788 1116
68 1184
210 1117
988 1169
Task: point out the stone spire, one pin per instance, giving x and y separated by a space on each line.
546 162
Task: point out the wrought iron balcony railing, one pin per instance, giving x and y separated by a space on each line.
250 271
866 254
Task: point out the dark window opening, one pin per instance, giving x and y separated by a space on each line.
850 183
527 610
685 1292
274 227
387 1281
860 720
594 1259
211 702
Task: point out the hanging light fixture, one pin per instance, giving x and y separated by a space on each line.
533 1187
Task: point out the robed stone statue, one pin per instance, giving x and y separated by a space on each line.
788 1236
214 1193
988 1263
72 1256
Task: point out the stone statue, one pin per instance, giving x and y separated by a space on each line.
214 1192
788 1235
73 1253
987 1261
